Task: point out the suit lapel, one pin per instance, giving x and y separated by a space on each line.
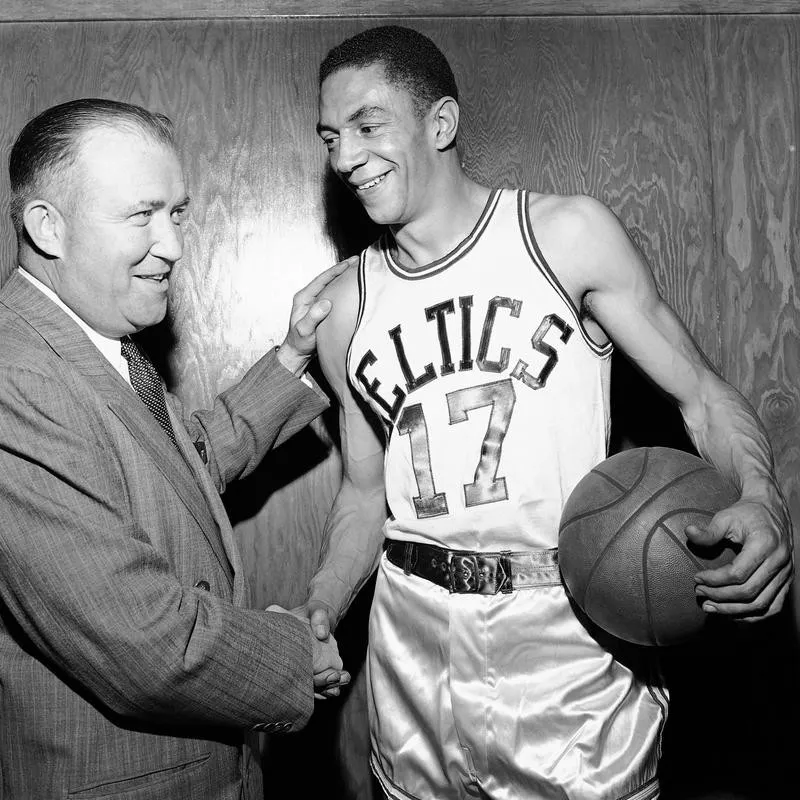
67 340
149 434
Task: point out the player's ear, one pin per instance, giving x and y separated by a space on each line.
445 114
44 226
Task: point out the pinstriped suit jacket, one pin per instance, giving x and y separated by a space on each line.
118 678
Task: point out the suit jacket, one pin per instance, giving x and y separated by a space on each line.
129 665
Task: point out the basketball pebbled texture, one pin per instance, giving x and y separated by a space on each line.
622 548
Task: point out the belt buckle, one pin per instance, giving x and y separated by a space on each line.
479 573
463 568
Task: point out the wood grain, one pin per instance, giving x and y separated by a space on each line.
56 10
755 101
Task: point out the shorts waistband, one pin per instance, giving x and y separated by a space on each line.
469 572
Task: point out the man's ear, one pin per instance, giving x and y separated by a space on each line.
445 114
45 227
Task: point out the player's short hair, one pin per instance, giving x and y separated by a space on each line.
48 144
410 59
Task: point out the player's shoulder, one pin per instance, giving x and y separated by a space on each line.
336 330
342 285
577 234
574 215
343 294
579 237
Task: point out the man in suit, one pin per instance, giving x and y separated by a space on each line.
130 666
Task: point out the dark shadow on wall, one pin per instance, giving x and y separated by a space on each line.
346 223
641 415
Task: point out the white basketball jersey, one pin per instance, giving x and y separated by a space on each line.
494 397
495 402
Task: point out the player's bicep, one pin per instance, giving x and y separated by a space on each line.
657 341
624 300
361 436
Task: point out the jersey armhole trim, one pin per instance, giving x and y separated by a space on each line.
532 246
362 303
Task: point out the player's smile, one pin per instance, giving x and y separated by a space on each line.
371 184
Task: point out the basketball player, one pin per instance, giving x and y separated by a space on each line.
478 333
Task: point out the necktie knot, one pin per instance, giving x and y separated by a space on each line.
147 383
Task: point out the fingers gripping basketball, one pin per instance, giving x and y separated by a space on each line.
623 552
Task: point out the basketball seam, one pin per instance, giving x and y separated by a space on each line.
631 516
676 539
659 525
614 483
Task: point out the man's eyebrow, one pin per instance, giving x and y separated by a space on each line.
155 205
145 205
363 112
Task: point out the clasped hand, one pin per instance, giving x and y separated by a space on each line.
329 675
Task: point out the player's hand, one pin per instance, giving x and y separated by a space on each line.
327 665
754 585
307 312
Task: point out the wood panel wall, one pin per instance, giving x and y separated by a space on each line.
57 10
686 126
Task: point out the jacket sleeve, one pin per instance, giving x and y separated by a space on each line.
264 409
82 585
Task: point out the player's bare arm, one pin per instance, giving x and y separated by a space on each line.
609 279
354 529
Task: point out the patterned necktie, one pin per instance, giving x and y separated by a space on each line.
147 383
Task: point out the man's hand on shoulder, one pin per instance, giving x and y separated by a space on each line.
308 310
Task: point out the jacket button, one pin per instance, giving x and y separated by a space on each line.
204 585
267 727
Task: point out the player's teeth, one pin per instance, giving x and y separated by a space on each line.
372 183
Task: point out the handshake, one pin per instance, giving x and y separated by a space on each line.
329 675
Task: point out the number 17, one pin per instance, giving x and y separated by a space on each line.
486 486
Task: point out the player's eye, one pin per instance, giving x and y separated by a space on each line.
330 141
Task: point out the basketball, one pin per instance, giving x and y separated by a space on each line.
624 556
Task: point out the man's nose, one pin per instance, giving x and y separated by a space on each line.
167 239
